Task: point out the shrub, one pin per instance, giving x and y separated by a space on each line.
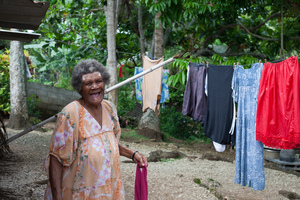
125 103
179 126
32 102
4 83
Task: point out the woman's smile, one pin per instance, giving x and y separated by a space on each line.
92 88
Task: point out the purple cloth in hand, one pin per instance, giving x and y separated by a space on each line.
141 187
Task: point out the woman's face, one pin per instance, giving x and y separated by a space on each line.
92 88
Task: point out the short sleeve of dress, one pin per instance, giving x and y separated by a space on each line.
64 140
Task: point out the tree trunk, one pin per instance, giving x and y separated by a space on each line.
18 118
149 124
111 49
159 38
141 31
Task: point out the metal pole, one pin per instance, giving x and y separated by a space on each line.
28 130
108 90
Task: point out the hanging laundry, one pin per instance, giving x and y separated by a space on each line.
164 86
278 107
151 86
121 71
141 185
27 70
220 105
249 153
194 99
138 83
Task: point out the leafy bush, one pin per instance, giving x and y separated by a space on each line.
126 100
32 102
179 126
33 112
4 83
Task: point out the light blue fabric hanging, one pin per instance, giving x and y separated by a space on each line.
249 157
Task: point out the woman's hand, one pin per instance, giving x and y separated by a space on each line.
134 155
140 158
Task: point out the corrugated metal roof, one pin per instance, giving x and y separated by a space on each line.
21 14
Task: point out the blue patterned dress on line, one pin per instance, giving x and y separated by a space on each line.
249 156
164 85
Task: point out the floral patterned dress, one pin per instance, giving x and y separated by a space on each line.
164 86
249 154
88 152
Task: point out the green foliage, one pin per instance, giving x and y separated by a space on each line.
179 126
64 82
32 102
176 94
132 135
246 60
33 112
56 65
34 120
198 181
73 30
126 97
70 32
126 102
244 26
4 83
180 67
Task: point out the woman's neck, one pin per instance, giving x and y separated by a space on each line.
90 106
95 111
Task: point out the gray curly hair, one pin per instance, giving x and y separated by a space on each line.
86 67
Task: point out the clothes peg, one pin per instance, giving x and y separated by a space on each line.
207 64
237 65
265 60
259 62
233 65
295 54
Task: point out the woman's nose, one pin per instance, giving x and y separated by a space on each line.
94 85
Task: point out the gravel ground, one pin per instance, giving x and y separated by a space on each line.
21 174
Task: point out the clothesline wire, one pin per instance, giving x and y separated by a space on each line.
273 61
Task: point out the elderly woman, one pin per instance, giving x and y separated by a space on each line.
83 162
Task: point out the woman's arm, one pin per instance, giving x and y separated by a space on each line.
55 171
138 157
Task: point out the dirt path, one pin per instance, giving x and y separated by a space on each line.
21 173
